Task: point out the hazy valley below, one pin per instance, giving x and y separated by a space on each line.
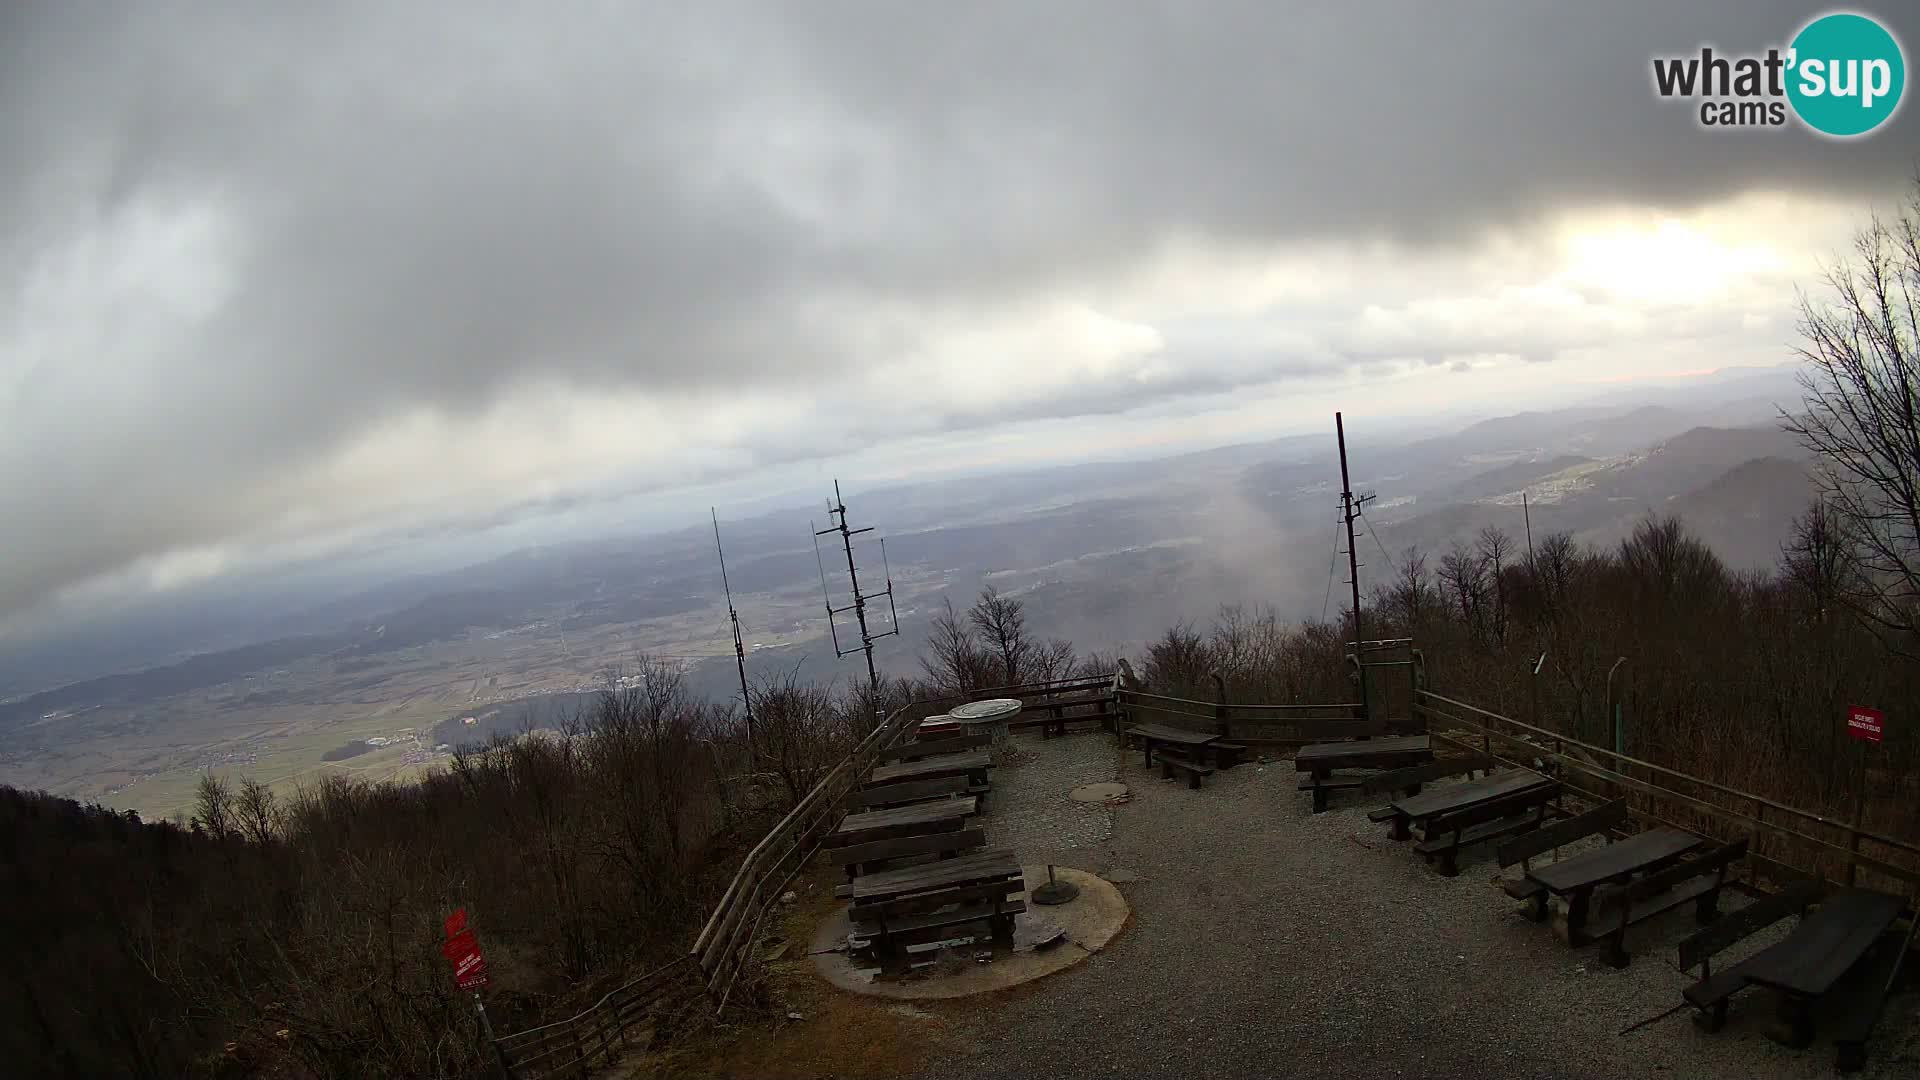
381 680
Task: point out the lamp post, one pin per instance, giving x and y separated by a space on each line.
1533 686
1613 713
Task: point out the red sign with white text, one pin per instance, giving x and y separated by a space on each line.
1865 723
462 950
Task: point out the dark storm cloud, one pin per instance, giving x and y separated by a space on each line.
432 204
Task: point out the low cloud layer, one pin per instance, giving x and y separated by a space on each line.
268 274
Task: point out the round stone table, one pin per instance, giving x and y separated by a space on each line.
991 716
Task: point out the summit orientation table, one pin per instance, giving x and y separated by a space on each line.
1575 878
1411 810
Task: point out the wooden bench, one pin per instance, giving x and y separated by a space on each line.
944 844
1170 762
1321 760
1412 777
899 909
1859 997
1698 880
1522 849
908 751
874 798
1447 833
1227 755
1711 994
1057 718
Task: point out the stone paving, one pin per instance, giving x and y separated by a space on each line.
1267 941
1032 811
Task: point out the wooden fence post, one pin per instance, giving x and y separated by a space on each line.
1220 707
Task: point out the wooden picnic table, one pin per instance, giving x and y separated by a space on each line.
1322 758
1409 810
1806 963
940 816
1148 734
1576 877
1318 761
897 910
974 763
984 866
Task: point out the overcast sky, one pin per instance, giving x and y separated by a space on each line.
279 275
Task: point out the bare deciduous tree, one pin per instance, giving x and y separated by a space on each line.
1861 413
1002 624
213 806
957 663
256 811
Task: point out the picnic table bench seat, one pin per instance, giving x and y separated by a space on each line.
1057 718
1490 819
1711 994
897 909
1198 745
943 918
1860 996
1309 782
1698 881
875 797
1171 762
944 845
1522 850
1319 761
939 815
972 764
919 750
1832 953
1410 779
1407 812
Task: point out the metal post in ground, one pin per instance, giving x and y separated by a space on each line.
486 1029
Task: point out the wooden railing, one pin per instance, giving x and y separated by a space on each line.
598 1033
1800 842
728 935
712 967
1278 725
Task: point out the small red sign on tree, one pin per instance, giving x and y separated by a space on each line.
462 950
1867 724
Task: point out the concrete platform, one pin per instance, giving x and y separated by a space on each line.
1079 928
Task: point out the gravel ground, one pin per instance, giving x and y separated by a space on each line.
1267 941
1029 810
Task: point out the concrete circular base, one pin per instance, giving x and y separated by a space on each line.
1085 926
1093 793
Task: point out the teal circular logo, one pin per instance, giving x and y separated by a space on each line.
1845 75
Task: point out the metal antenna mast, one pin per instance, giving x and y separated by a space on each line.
1350 509
739 643
837 513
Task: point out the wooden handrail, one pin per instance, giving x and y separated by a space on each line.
1619 779
1617 757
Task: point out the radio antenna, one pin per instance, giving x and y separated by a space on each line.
739 643
837 513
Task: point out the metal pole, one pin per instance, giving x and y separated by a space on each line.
486 1028
1614 710
1859 819
1527 514
1353 559
739 643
